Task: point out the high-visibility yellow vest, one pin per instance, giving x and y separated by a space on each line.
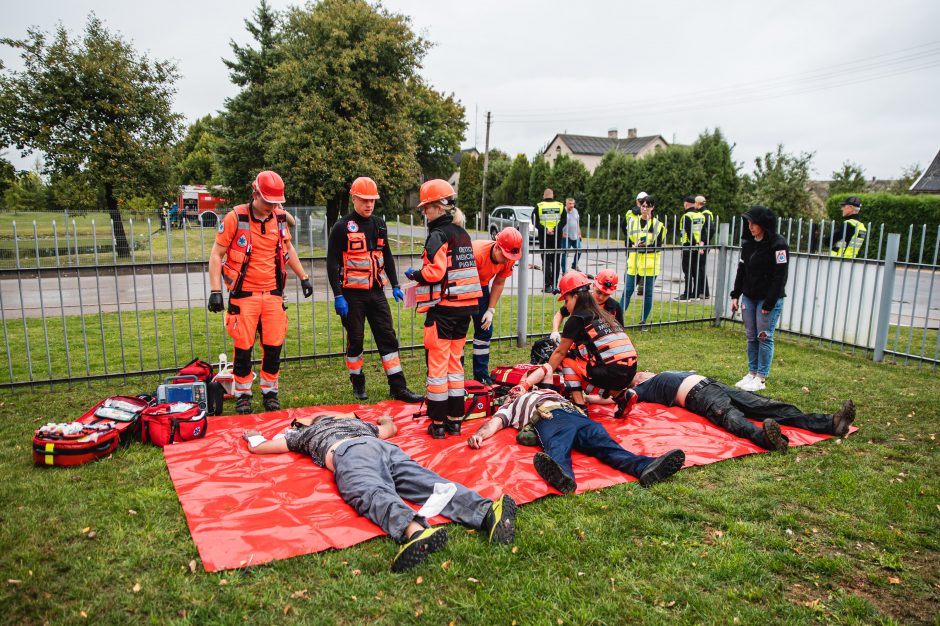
644 263
550 213
851 249
698 223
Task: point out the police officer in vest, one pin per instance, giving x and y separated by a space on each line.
549 217
359 263
693 246
853 231
250 252
702 286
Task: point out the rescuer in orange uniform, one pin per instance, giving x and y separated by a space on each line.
449 292
251 254
495 260
359 263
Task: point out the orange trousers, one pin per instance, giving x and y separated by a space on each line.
444 339
260 313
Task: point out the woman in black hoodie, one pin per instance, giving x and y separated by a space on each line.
759 291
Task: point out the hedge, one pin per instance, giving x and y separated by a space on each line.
897 213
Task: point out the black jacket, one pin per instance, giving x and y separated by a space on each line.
762 271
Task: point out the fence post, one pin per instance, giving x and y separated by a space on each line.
887 294
722 273
522 312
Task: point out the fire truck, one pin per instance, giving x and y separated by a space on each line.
198 204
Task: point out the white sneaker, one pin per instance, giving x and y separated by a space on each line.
744 382
756 384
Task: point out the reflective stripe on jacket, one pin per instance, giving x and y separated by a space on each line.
698 224
238 254
644 263
550 213
460 285
363 267
607 344
851 249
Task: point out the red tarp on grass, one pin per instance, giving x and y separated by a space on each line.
246 509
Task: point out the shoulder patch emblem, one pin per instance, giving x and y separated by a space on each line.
352 226
242 241
781 257
221 226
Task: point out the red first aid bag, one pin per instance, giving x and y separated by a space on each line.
166 424
99 432
200 369
512 375
478 403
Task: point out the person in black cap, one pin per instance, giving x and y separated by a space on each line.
847 241
690 232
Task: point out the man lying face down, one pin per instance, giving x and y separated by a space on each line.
561 426
373 476
729 407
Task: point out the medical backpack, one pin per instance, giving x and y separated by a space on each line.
169 423
99 432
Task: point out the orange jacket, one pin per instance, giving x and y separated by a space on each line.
239 251
449 276
607 344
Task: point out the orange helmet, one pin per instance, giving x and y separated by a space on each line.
436 190
573 282
509 241
606 281
365 188
269 186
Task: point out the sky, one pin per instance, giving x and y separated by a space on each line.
854 80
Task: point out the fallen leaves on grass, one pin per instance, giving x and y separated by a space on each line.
192 566
445 565
287 609
14 581
222 582
894 580
302 594
136 588
419 580
472 580
356 572
515 549
83 614
131 512
92 534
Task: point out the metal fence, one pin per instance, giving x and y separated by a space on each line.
81 312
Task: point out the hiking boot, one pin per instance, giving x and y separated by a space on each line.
414 551
359 386
500 520
243 404
405 395
843 418
452 427
270 401
553 474
683 297
625 403
527 436
437 430
775 439
662 468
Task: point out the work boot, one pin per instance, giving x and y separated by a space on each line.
359 386
437 430
552 473
843 418
662 468
452 426
775 439
402 393
625 403
270 401
243 404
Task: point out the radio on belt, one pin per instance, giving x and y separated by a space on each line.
183 389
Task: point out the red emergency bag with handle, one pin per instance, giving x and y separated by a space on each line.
479 402
166 424
99 432
512 375
202 370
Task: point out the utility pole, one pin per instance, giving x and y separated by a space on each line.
486 166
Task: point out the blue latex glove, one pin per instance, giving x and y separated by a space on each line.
409 272
397 294
341 306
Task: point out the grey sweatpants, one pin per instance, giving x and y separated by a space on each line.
373 476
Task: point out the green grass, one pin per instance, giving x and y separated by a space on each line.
841 532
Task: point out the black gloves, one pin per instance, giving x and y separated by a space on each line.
307 287
215 302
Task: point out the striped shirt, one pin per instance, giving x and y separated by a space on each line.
519 412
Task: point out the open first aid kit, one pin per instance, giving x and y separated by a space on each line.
172 422
99 432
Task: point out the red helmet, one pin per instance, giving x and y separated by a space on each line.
509 241
269 186
573 282
606 281
365 188
436 190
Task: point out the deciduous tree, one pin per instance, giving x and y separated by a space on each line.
849 179
514 190
779 183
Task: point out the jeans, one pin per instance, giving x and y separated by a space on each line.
567 430
574 244
759 329
630 285
729 407
481 340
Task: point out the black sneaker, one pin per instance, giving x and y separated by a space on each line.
552 473
437 430
414 551
270 401
625 403
662 468
405 395
500 520
452 427
775 439
243 404
843 418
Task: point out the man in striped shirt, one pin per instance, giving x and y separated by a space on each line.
561 427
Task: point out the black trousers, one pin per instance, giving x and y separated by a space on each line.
701 276
729 407
690 266
368 304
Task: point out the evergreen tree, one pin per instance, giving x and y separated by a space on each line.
469 186
540 176
514 189
613 186
720 183
569 179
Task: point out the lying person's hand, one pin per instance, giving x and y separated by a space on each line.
475 441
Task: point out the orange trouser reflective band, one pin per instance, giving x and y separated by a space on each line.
574 372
